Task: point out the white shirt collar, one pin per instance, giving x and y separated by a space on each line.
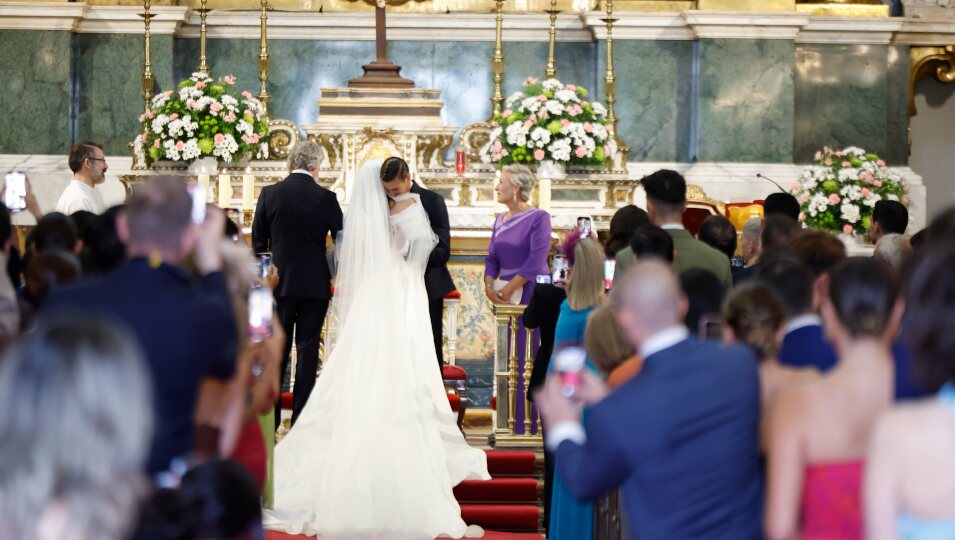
802 321
303 171
83 185
663 339
672 226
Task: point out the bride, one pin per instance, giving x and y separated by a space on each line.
376 451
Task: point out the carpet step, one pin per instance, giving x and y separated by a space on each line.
498 490
502 517
511 463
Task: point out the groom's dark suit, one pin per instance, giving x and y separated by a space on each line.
437 279
293 219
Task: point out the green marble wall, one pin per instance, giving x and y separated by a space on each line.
654 91
745 100
110 90
851 95
35 101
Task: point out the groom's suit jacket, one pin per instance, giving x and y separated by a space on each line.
437 279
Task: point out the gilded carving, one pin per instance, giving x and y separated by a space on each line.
936 61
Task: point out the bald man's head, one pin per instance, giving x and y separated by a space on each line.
647 300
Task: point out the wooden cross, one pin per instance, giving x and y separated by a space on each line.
381 73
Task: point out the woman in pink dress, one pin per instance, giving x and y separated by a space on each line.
818 432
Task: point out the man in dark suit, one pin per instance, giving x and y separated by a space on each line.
293 219
396 177
680 439
186 330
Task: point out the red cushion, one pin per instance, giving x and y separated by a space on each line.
453 373
493 403
455 401
453 295
287 400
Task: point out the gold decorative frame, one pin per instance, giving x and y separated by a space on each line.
938 61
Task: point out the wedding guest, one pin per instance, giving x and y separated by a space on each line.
650 242
819 432
293 220
804 343
680 439
396 177
54 232
666 202
704 294
571 518
753 316
888 217
186 329
750 249
609 349
777 232
718 233
46 272
783 204
894 250
76 428
623 224
542 313
103 251
909 475
88 163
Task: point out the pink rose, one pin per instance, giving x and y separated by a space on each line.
846 164
528 124
839 154
584 103
246 94
230 117
219 138
142 118
834 199
866 192
229 79
818 156
543 115
215 107
533 119
539 154
580 151
150 113
880 163
847 228
156 143
588 128
247 139
877 183
496 147
541 98
564 122
180 145
173 116
255 138
795 187
571 87
804 198
507 112
828 161
200 84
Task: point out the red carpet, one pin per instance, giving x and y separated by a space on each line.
507 502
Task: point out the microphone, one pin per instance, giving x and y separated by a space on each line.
764 177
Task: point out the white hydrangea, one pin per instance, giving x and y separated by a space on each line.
159 123
540 137
566 96
851 192
191 151
599 109
818 203
138 146
554 107
230 102
244 127
872 199
560 150
849 212
531 104
161 99
172 153
854 151
848 174
553 85
600 132
516 134
226 148
515 97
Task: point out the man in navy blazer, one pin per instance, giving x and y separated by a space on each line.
680 440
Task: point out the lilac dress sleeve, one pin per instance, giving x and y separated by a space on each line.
492 265
539 248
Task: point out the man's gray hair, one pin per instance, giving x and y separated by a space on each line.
76 427
894 249
305 155
522 178
753 228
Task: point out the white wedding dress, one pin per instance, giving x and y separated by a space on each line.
376 452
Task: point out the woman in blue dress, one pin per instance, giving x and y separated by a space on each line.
571 518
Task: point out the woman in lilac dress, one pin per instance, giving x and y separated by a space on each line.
520 244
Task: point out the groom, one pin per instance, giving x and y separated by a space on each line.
396 177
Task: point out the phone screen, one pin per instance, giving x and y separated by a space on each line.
585 225
260 313
198 193
15 194
560 269
610 265
265 264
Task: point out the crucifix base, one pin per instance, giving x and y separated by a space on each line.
381 74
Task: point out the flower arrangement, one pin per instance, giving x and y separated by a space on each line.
551 121
839 192
202 119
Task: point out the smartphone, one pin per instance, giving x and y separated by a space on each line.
586 226
569 363
610 266
545 279
198 193
561 267
260 313
265 264
15 194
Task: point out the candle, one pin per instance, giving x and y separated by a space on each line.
459 162
204 182
544 195
248 190
225 190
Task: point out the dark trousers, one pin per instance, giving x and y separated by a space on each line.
305 316
436 310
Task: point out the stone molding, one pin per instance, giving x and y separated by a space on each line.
850 30
41 16
745 25
127 20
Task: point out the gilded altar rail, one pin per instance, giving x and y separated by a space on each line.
507 373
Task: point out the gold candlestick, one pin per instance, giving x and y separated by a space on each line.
147 78
497 62
551 71
264 59
203 67
610 82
